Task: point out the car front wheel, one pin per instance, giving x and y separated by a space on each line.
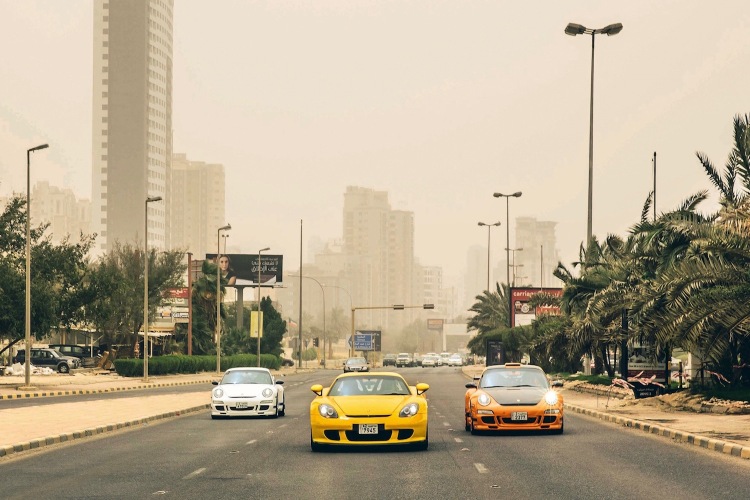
63 368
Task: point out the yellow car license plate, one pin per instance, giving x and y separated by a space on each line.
368 428
519 415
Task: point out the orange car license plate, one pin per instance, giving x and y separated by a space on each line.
519 415
368 428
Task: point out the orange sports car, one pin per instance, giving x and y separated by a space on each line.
513 397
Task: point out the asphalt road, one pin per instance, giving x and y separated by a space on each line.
196 457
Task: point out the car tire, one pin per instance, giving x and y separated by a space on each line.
315 447
467 427
276 413
422 446
560 430
282 412
63 368
473 431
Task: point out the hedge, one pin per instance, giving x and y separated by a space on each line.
173 364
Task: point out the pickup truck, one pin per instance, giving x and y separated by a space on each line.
403 359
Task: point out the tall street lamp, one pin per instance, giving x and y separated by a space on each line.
322 291
489 226
573 29
259 323
514 250
27 358
517 194
145 285
351 304
218 298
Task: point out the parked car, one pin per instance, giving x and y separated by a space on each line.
245 391
75 350
389 360
356 365
48 357
513 397
403 359
369 409
287 362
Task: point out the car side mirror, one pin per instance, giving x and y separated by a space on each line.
422 388
215 382
471 385
317 389
280 382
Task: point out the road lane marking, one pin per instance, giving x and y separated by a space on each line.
195 473
459 440
481 468
446 424
252 441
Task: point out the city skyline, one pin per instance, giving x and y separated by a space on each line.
441 113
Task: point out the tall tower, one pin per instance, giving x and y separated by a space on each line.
132 120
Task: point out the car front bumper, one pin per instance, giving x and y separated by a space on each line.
501 418
391 431
240 407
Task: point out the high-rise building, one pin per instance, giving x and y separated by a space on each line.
67 215
196 205
132 120
539 257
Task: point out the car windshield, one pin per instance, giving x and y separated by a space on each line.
356 361
247 377
369 386
513 378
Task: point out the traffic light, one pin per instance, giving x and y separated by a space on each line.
316 343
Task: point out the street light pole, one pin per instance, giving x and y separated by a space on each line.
149 199
489 226
218 298
517 194
322 291
259 323
27 357
573 29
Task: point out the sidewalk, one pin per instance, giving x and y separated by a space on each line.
67 419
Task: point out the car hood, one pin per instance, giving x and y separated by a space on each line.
516 395
244 390
370 405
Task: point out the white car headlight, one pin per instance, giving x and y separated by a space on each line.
327 411
218 392
409 410
267 392
483 399
550 398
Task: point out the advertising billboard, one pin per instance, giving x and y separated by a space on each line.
241 269
521 313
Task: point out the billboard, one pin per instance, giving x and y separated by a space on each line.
241 269
366 340
521 313
435 324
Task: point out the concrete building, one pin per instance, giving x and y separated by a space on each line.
66 214
196 205
132 120
539 256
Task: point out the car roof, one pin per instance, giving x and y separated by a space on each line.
370 375
248 369
514 366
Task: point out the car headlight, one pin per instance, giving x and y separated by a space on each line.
218 393
551 398
483 399
267 392
409 410
327 411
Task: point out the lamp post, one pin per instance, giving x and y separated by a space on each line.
350 303
573 29
27 357
517 194
259 323
395 307
514 250
324 310
225 236
218 298
489 226
145 285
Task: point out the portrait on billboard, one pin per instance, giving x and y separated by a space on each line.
241 270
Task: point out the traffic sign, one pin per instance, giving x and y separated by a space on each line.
366 340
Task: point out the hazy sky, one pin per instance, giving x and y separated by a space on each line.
440 103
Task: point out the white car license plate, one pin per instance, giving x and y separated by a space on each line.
368 428
519 415
240 405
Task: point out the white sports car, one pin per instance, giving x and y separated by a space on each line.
247 391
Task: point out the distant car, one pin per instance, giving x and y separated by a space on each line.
76 350
455 360
513 397
356 365
287 362
403 359
430 361
246 391
389 360
50 358
369 409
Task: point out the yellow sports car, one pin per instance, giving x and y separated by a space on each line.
360 409
513 397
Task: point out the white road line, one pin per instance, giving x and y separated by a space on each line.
282 425
446 424
481 468
459 440
252 441
195 473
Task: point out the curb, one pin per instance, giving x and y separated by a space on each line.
724 447
8 450
97 391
